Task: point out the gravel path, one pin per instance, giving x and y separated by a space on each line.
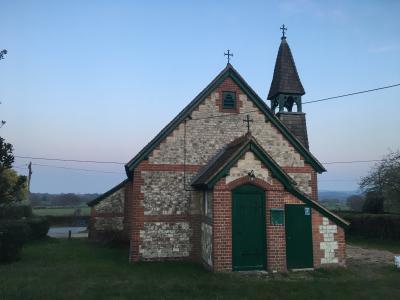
365 256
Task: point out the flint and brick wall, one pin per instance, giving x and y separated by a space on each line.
165 239
164 216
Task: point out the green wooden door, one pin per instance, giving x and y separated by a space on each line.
299 251
248 228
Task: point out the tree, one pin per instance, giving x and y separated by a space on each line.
355 202
383 183
13 188
6 157
2 53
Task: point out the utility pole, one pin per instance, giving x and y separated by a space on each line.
29 182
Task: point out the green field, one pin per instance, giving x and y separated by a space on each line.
60 211
78 269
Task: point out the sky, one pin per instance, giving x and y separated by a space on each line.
97 80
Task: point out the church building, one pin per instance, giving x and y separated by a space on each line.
230 183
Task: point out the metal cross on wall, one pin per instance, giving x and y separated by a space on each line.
229 55
248 121
283 28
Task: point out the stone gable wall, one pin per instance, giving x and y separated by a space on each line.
203 137
114 203
249 163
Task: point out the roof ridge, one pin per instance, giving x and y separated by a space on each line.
240 139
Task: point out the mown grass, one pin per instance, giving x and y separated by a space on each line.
389 245
60 211
77 269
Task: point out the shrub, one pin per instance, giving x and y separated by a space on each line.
39 226
13 235
384 226
15 211
373 203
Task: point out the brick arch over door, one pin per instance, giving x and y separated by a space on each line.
222 217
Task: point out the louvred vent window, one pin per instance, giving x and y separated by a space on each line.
228 100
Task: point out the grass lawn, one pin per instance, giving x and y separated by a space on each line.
77 269
60 211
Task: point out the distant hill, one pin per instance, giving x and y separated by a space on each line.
339 195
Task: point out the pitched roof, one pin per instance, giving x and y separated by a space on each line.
228 71
286 79
106 194
221 163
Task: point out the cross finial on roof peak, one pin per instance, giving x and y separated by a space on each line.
283 28
229 55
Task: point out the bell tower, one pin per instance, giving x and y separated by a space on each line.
286 91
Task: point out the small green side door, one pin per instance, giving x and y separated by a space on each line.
248 228
299 251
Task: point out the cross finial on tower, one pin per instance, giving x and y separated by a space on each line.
283 28
229 55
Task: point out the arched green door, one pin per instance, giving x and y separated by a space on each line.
248 228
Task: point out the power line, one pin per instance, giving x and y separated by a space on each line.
220 116
71 160
338 180
351 94
307 102
76 169
121 163
21 166
352 161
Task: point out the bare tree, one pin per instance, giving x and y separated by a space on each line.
383 182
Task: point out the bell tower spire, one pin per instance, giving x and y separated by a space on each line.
286 88
286 91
